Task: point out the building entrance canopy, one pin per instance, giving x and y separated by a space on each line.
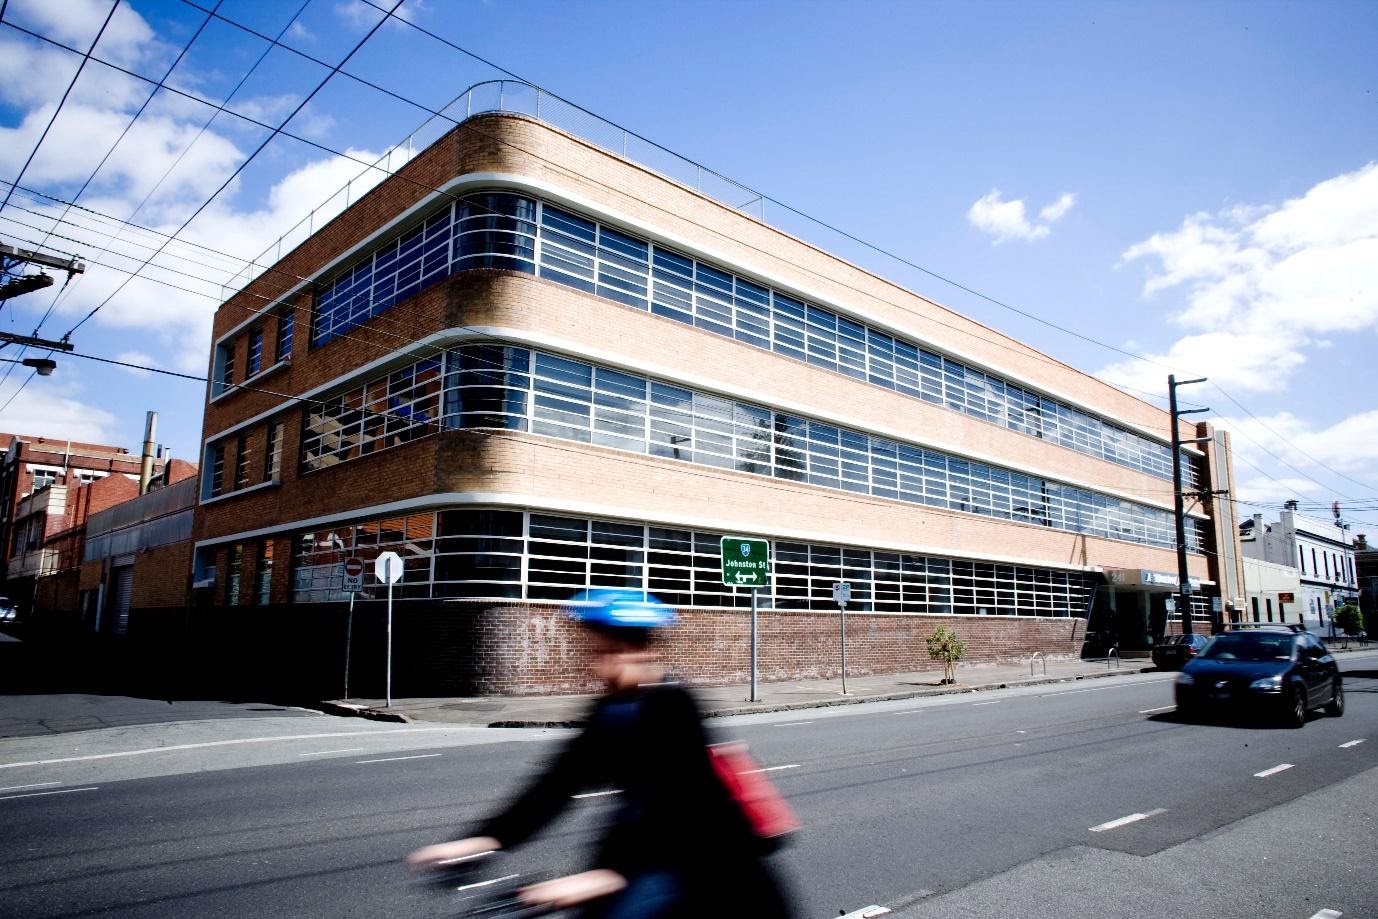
1144 579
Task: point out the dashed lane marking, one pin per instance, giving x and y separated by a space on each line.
598 794
993 702
328 752
1124 821
771 769
1352 743
393 759
1280 767
1328 914
1161 708
59 791
34 785
791 724
216 743
866 912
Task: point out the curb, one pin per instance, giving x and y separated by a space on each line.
760 708
351 710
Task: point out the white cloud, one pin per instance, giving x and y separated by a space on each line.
1269 469
48 407
1008 220
1055 211
300 32
1265 284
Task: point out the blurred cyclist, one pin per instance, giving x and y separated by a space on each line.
679 845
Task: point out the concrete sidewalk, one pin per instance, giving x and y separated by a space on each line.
720 701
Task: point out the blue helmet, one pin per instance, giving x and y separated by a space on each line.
611 608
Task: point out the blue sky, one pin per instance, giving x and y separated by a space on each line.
1195 183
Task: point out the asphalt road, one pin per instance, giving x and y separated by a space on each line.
1048 800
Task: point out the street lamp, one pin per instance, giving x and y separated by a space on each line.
44 366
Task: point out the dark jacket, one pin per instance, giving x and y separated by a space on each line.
673 813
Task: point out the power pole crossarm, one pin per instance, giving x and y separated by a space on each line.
71 265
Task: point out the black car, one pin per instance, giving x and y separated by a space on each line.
1275 672
1175 650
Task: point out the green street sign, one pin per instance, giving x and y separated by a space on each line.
745 562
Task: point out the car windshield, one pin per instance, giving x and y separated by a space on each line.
1238 646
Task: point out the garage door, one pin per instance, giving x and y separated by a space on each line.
124 589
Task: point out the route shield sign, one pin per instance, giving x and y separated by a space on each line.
745 562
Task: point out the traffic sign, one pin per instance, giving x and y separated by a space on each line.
745 562
353 575
387 567
842 593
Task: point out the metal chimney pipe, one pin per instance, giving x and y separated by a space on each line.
146 460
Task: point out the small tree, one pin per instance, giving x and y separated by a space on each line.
945 646
1349 619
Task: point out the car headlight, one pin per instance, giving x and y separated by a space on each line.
1267 683
1185 679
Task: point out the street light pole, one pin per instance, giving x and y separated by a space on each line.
1178 498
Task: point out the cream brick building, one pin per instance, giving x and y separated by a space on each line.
531 365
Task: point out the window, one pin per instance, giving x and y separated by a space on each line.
232 582
224 371
1325 557
1301 555
479 553
1315 566
265 572
241 464
1254 601
216 472
272 463
499 230
255 352
42 478
499 386
286 325
1268 603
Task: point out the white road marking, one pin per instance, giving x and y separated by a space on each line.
1123 821
328 752
866 912
1352 743
790 724
1328 914
1021 732
598 794
1281 767
1161 708
478 884
60 791
34 785
1073 692
216 743
995 702
771 769
393 759
909 711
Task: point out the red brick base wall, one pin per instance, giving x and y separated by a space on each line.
464 649
535 649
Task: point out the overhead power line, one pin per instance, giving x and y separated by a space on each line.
277 130
62 102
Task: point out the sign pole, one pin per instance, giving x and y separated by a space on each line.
843 608
388 688
753 647
842 595
349 636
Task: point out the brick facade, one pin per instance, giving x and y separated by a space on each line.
527 647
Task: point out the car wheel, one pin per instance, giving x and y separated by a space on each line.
1294 715
1336 705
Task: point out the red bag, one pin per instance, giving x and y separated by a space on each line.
766 812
